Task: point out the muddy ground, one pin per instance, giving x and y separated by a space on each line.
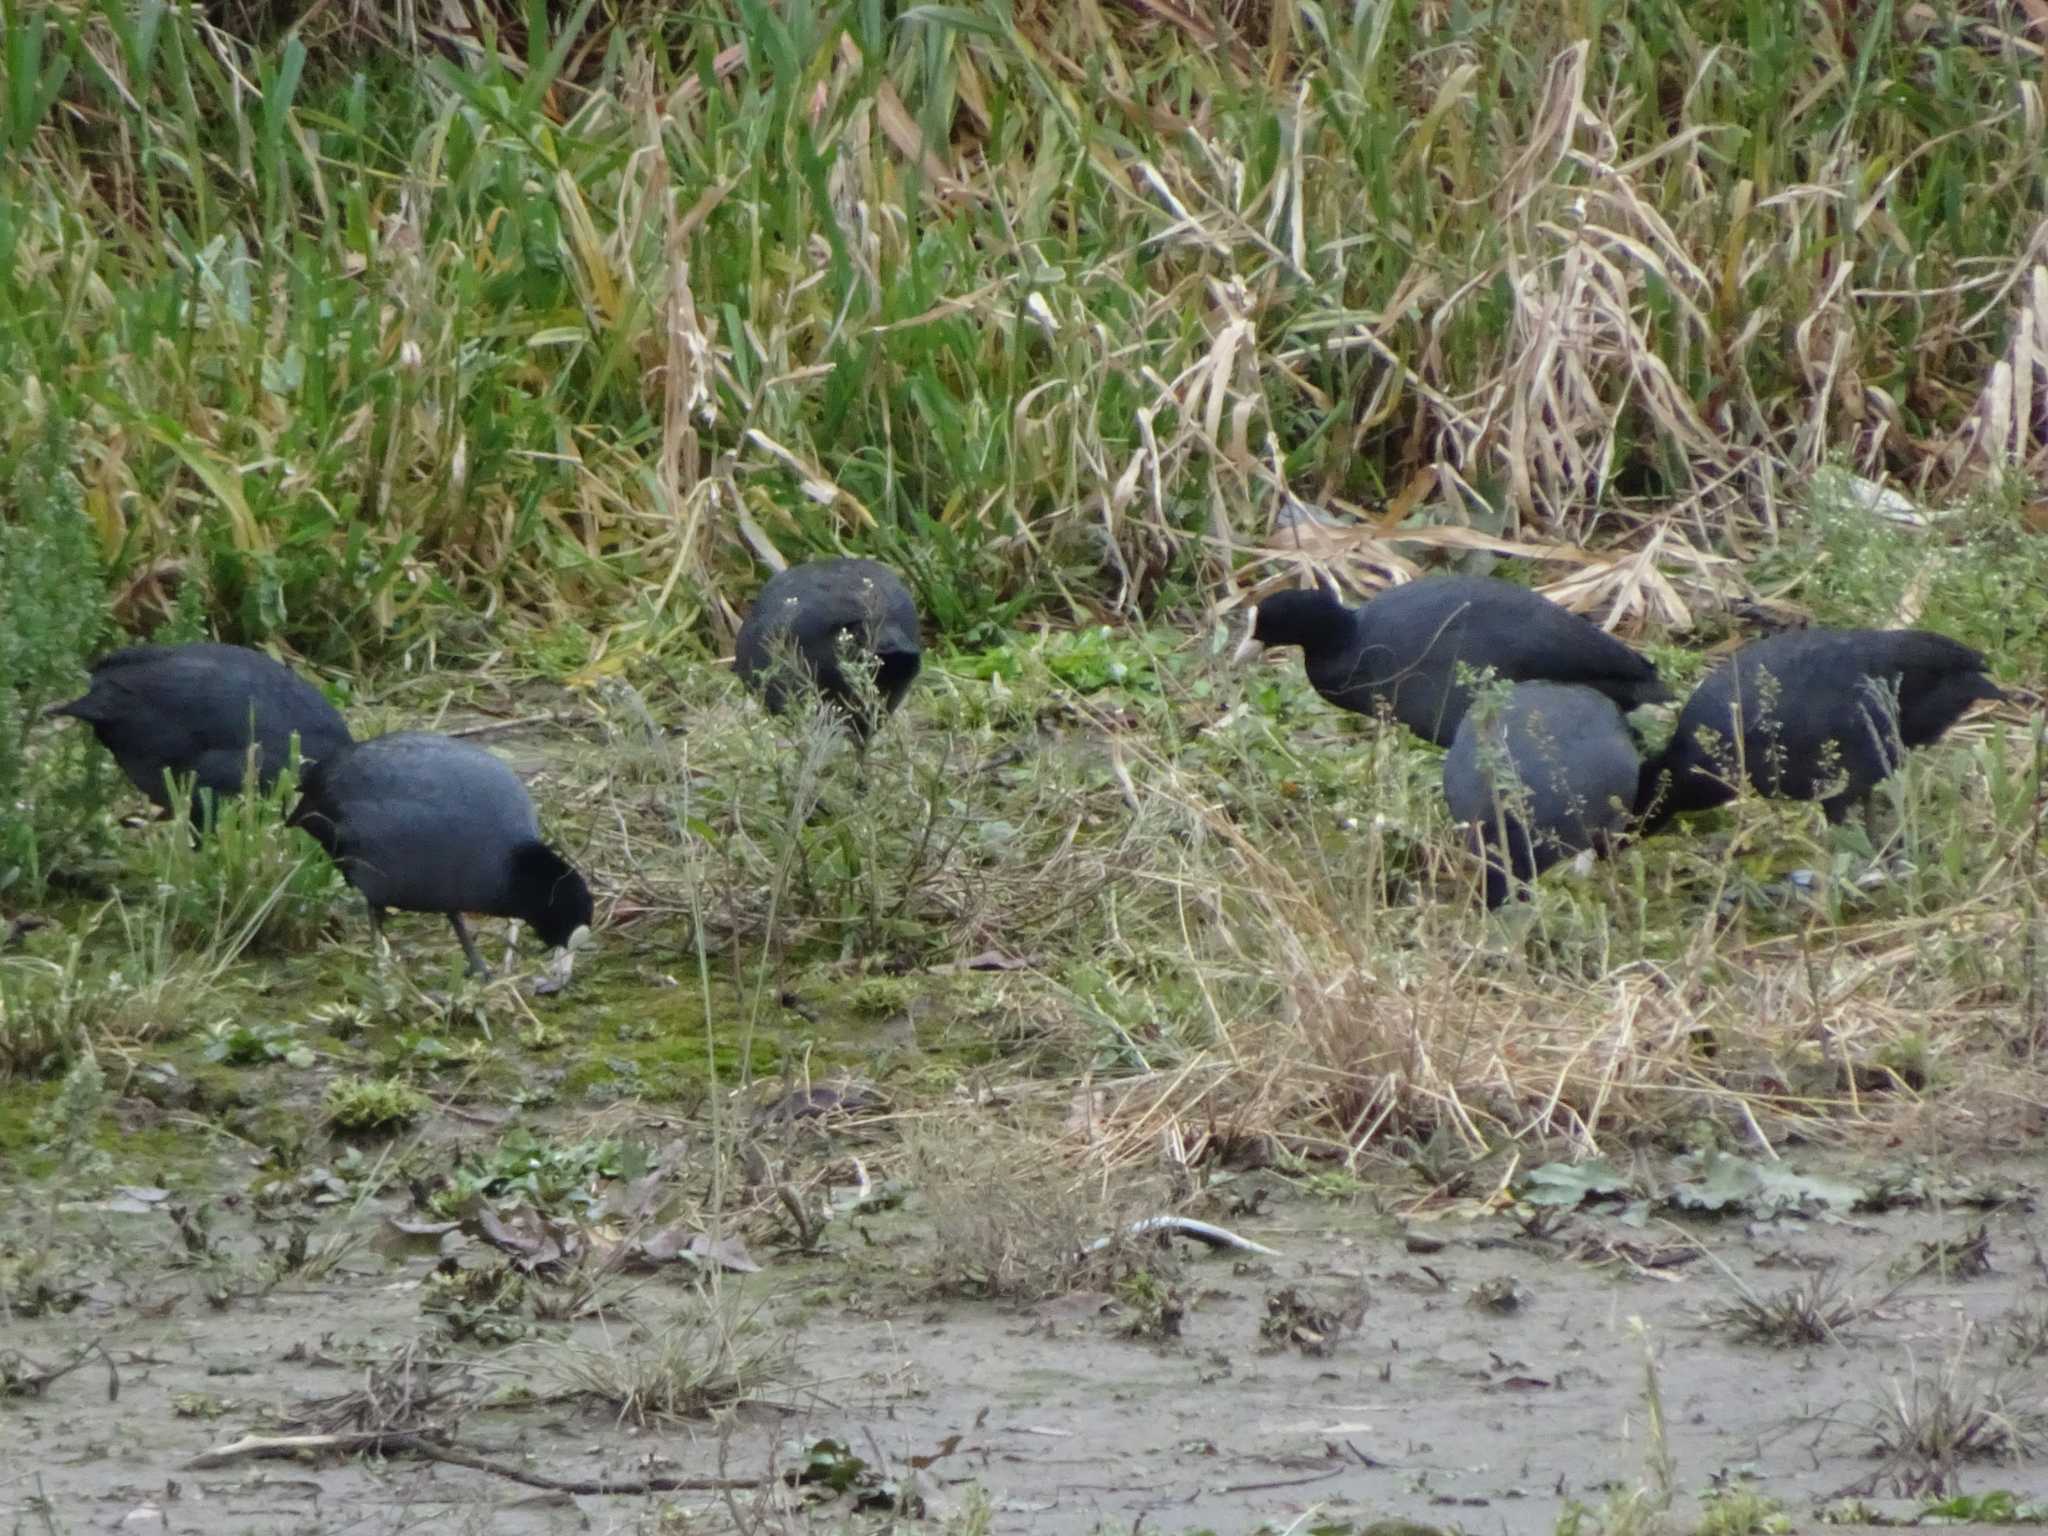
1454 1368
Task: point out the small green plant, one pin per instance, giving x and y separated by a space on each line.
486 1306
877 997
68 1123
45 1006
1332 1184
551 1177
52 617
242 1043
415 1052
368 1106
1742 1512
118 981
1153 1307
831 1469
249 882
1999 1507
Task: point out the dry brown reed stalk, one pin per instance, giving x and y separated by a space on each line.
1628 591
2007 432
1583 361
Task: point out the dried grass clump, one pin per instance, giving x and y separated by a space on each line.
1814 1312
1355 997
1010 1216
715 1351
1933 1426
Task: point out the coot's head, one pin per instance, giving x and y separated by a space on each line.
1301 617
898 668
551 895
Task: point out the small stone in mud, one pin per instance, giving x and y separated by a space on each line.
1504 1295
1293 1317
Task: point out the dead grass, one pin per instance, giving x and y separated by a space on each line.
712 1352
1815 1312
1934 1426
1011 1218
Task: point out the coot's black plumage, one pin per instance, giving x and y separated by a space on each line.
426 823
1547 772
1404 647
196 709
809 620
1812 714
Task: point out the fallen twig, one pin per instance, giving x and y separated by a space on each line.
493 727
591 1486
1285 1482
350 1442
431 1444
35 1380
1185 1226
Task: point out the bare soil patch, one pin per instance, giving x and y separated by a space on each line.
1457 1371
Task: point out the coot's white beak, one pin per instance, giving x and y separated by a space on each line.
563 963
1249 645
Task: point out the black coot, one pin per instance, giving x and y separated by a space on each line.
196 709
809 620
1548 771
426 823
1813 714
1404 647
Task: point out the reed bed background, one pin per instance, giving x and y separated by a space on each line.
390 325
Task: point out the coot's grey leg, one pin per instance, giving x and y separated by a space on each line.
380 947
476 961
